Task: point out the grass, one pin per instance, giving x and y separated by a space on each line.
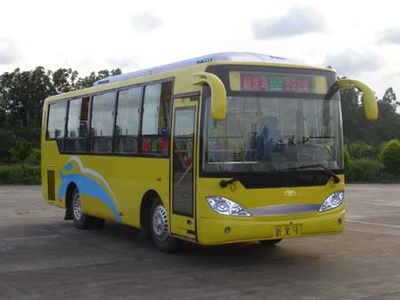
11 174
384 177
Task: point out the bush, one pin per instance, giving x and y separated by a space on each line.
7 140
364 169
32 135
390 156
12 175
34 158
362 150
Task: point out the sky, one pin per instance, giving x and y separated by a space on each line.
360 39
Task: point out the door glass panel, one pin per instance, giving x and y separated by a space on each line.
183 160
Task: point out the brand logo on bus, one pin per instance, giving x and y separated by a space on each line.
290 193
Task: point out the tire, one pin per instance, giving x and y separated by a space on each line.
81 220
159 228
269 243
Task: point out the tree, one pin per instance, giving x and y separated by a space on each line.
386 127
88 81
390 156
64 80
390 98
7 106
23 93
20 153
7 140
357 128
351 113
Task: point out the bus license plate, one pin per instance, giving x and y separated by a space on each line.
284 231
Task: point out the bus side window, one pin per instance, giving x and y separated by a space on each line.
127 123
84 121
56 122
102 123
156 118
76 136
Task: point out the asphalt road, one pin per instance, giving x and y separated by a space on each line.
44 257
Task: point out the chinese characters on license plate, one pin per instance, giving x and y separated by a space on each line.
291 230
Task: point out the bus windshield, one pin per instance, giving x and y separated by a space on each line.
264 133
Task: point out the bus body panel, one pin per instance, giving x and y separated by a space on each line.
213 231
212 226
111 187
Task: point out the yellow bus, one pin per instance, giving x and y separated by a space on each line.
224 148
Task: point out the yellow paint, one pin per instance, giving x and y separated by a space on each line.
129 178
218 93
211 225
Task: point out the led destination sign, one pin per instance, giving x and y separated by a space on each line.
276 83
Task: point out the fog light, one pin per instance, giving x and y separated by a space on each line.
227 230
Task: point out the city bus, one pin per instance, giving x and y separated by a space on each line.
225 148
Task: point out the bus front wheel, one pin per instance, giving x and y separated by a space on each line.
159 226
81 220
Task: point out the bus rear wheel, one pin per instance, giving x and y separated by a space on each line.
269 243
81 220
159 227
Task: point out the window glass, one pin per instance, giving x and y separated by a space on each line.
156 118
84 124
183 160
272 133
74 115
128 116
56 121
77 127
102 122
151 109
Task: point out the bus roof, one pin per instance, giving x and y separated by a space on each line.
215 57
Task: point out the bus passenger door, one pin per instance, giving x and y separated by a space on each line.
183 168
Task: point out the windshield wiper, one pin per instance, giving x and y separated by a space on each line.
224 183
324 169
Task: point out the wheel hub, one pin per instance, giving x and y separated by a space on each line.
160 223
77 207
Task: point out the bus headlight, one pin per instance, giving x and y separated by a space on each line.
333 201
226 207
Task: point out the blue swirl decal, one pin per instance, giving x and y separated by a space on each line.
88 186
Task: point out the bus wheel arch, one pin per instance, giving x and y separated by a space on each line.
145 207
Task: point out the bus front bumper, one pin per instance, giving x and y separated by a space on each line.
220 230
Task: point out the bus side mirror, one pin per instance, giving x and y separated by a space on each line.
369 100
218 93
